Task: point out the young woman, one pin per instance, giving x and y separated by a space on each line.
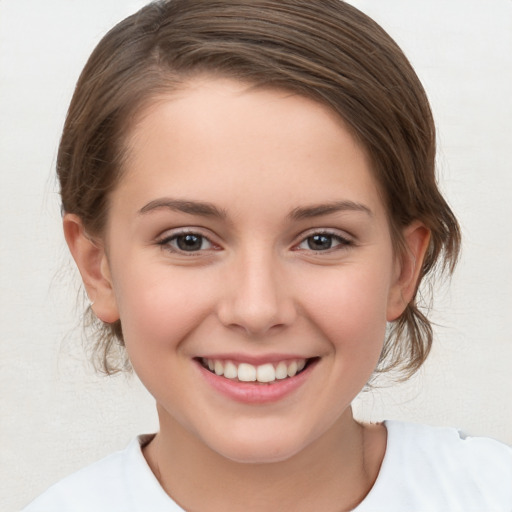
249 194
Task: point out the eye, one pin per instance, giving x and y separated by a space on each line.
186 242
323 242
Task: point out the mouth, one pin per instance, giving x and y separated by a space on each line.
266 373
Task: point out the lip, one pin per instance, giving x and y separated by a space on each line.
255 360
253 392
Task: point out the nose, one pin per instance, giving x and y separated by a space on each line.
256 297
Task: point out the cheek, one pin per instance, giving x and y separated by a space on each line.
159 310
350 308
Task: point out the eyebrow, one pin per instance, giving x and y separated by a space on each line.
192 207
205 209
318 210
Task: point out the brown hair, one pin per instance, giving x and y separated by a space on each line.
324 49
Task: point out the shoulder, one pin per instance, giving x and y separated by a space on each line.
120 481
449 450
437 468
442 443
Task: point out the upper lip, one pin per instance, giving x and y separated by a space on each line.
254 359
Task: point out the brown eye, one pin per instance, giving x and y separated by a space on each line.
319 242
186 242
189 242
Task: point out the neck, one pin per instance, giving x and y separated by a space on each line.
335 472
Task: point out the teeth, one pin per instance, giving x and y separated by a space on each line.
281 371
265 373
246 372
218 368
292 369
230 370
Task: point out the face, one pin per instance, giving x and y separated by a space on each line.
251 265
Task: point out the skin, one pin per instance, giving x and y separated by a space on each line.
253 288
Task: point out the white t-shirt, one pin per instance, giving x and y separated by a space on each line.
425 469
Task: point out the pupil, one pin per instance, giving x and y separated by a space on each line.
319 242
189 242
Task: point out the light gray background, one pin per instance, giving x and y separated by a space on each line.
56 415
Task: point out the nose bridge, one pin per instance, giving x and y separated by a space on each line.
256 297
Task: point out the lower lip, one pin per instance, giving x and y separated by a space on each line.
253 392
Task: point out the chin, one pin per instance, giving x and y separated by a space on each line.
258 448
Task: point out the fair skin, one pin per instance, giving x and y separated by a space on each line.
248 229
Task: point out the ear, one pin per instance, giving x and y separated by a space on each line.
92 262
416 237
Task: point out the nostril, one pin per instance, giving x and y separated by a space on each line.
254 300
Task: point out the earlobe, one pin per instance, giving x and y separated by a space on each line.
92 263
416 238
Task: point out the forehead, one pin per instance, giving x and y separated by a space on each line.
246 142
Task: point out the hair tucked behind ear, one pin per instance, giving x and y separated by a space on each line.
324 49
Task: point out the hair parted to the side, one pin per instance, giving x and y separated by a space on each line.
324 49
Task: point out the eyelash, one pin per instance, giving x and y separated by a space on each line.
343 242
167 242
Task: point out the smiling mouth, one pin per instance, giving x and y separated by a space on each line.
264 373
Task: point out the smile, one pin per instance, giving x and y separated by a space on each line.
245 372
